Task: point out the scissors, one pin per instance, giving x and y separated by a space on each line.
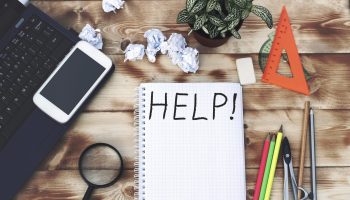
288 170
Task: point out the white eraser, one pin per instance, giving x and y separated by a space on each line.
246 71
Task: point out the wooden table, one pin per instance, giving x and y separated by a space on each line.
322 32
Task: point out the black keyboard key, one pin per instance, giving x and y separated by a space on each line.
42 54
7 48
9 77
30 69
32 50
39 26
4 118
61 50
19 100
5 99
25 91
4 84
49 65
25 57
27 27
48 32
36 62
53 42
15 41
41 74
33 82
33 20
21 34
21 80
40 42
11 109
29 37
14 88
6 63
14 56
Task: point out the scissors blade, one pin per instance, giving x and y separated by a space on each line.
293 181
286 181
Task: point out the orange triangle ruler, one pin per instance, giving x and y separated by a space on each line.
284 39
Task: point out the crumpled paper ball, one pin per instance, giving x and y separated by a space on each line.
175 43
112 5
134 52
92 36
186 58
189 60
155 38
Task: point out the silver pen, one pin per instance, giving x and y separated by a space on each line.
313 156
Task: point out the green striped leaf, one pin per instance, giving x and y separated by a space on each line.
200 21
223 34
211 5
223 30
240 3
216 21
205 30
200 5
233 24
234 14
190 4
218 7
228 5
235 34
264 14
213 31
184 17
245 14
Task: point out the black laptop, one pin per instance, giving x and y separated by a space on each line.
31 46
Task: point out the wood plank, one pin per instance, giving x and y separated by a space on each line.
332 129
67 184
319 26
329 71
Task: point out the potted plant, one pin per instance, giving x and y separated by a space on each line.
213 22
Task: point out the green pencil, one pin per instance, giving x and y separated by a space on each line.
267 168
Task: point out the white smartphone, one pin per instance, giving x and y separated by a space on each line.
71 83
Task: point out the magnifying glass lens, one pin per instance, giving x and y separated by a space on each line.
100 165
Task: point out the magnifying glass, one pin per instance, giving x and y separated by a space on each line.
96 173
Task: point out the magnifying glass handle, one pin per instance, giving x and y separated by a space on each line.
88 193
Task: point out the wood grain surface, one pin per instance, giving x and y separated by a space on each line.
321 30
319 26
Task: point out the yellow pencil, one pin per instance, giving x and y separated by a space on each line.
274 163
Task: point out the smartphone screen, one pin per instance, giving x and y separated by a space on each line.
72 81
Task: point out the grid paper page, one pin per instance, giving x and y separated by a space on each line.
194 159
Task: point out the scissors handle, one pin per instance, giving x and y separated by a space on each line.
305 195
287 155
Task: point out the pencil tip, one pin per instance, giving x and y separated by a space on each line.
281 129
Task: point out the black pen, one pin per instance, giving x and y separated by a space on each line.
313 156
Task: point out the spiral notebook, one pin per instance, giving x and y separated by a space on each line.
190 142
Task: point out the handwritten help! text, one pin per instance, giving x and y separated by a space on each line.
219 100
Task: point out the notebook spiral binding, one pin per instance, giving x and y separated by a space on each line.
139 124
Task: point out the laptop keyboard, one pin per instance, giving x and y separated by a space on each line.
25 63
